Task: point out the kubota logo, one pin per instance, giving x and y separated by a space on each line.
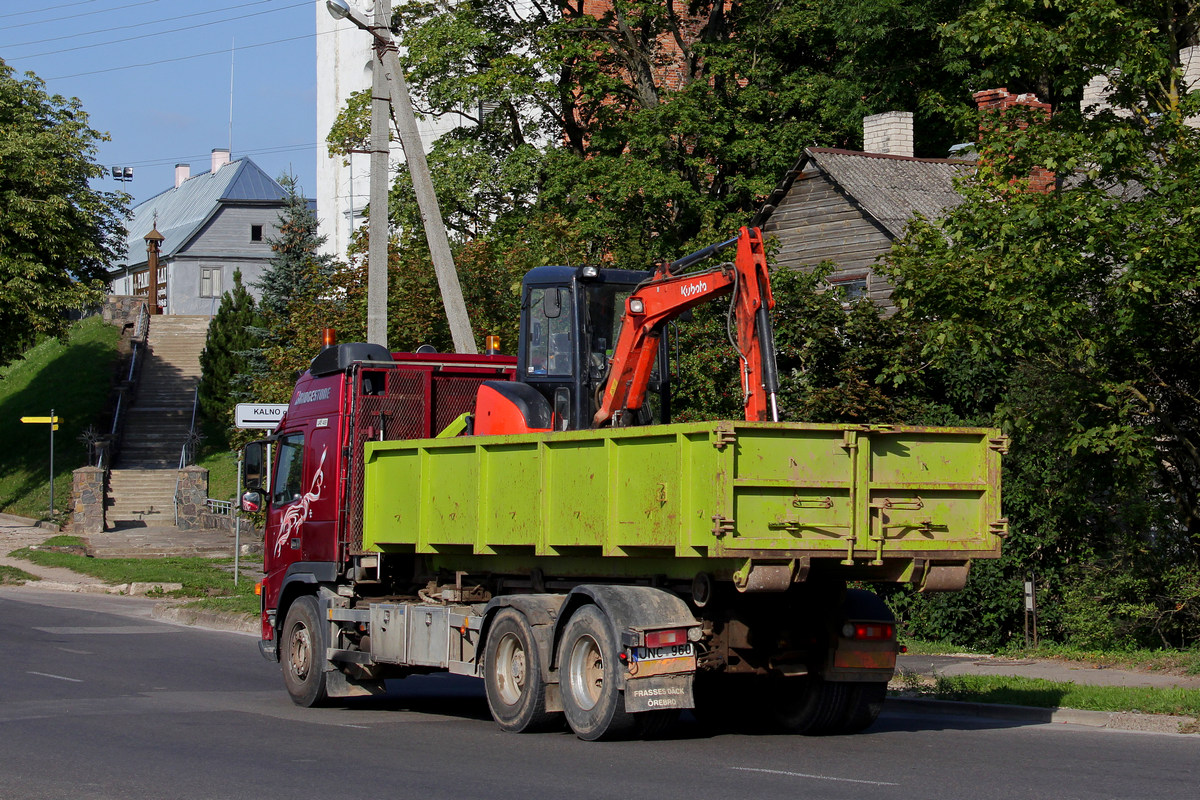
693 289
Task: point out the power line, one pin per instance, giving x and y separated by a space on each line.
261 151
161 33
73 16
184 58
135 25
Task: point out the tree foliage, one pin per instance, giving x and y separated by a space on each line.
223 362
303 291
58 235
1072 315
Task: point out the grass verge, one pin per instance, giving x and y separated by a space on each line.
1018 691
73 379
13 575
208 578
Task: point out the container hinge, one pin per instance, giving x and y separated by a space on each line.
723 437
999 444
999 527
721 526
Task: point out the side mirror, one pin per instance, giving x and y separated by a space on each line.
252 501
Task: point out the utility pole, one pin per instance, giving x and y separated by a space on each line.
418 167
378 230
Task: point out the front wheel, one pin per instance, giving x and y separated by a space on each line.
590 684
512 675
303 653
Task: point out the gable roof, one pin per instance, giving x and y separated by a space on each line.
183 210
891 189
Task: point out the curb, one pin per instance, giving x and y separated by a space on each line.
203 618
1112 720
31 523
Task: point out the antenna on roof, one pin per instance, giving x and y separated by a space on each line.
232 43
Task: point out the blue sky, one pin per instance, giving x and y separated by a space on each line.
155 75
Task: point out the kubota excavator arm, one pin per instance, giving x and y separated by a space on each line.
665 296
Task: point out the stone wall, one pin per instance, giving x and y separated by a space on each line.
122 309
192 498
87 500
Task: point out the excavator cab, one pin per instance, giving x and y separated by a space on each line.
570 318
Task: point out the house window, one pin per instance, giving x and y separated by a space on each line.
210 282
853 288
256 233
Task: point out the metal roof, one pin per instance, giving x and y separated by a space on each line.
181 211
891 189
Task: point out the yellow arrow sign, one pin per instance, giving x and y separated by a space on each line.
53 419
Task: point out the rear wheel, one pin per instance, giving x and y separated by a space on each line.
809 705
513 675
303 656
588 664
863 703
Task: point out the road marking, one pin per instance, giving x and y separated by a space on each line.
813 777
56 677
76 652
115 629
361 727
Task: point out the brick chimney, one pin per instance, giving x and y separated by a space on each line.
890 134
182 173
998 101
220 157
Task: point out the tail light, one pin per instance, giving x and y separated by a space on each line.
667 637
869 631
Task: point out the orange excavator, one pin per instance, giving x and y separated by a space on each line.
592 348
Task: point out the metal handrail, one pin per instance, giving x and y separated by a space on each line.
137 343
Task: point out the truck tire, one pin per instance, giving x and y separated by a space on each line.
587 663
302 653
512 675
809 705
864 701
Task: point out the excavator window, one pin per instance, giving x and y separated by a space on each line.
550 350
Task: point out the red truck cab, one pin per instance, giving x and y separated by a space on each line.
352 393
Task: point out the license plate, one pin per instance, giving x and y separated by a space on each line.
668 651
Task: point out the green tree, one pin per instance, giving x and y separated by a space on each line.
1070 318
302 291
223 362
57 234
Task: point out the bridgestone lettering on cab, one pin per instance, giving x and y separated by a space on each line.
311 397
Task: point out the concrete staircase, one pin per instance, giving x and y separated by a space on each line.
142 482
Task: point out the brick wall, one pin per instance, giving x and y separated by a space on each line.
998 101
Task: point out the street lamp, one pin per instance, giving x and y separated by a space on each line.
387 68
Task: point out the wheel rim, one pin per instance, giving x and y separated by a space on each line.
300 653
586 672
510 669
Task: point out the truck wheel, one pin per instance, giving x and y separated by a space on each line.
513 675
587 663
303 653
863 703
810 705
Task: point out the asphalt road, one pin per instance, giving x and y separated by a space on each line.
98 701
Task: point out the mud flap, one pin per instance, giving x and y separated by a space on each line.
659 692
338 685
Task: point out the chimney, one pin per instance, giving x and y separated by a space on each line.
220 157
182 173
998 101
889 134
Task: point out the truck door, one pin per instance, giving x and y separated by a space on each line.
287 507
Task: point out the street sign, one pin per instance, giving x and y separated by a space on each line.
259 415
55 420
52 421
